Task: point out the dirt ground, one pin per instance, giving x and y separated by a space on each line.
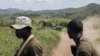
63 47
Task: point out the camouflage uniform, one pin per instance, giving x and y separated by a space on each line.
85 48
31 49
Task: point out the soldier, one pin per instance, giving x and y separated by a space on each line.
83 46
29 46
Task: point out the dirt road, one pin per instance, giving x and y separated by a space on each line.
63 48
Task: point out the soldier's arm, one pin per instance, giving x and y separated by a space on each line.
35 51
31 51
39 50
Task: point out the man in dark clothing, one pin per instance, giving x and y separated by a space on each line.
83 47
30 45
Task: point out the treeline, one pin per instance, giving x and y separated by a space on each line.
69 13
37 22
53 17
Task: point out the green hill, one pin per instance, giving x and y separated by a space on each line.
81 12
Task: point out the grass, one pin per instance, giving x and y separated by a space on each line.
48 38
8 42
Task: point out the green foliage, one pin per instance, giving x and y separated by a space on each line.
6 21
37 22
8 42
48 38
51 22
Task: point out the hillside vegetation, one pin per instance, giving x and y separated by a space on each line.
81 12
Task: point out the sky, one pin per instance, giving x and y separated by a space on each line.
44 4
